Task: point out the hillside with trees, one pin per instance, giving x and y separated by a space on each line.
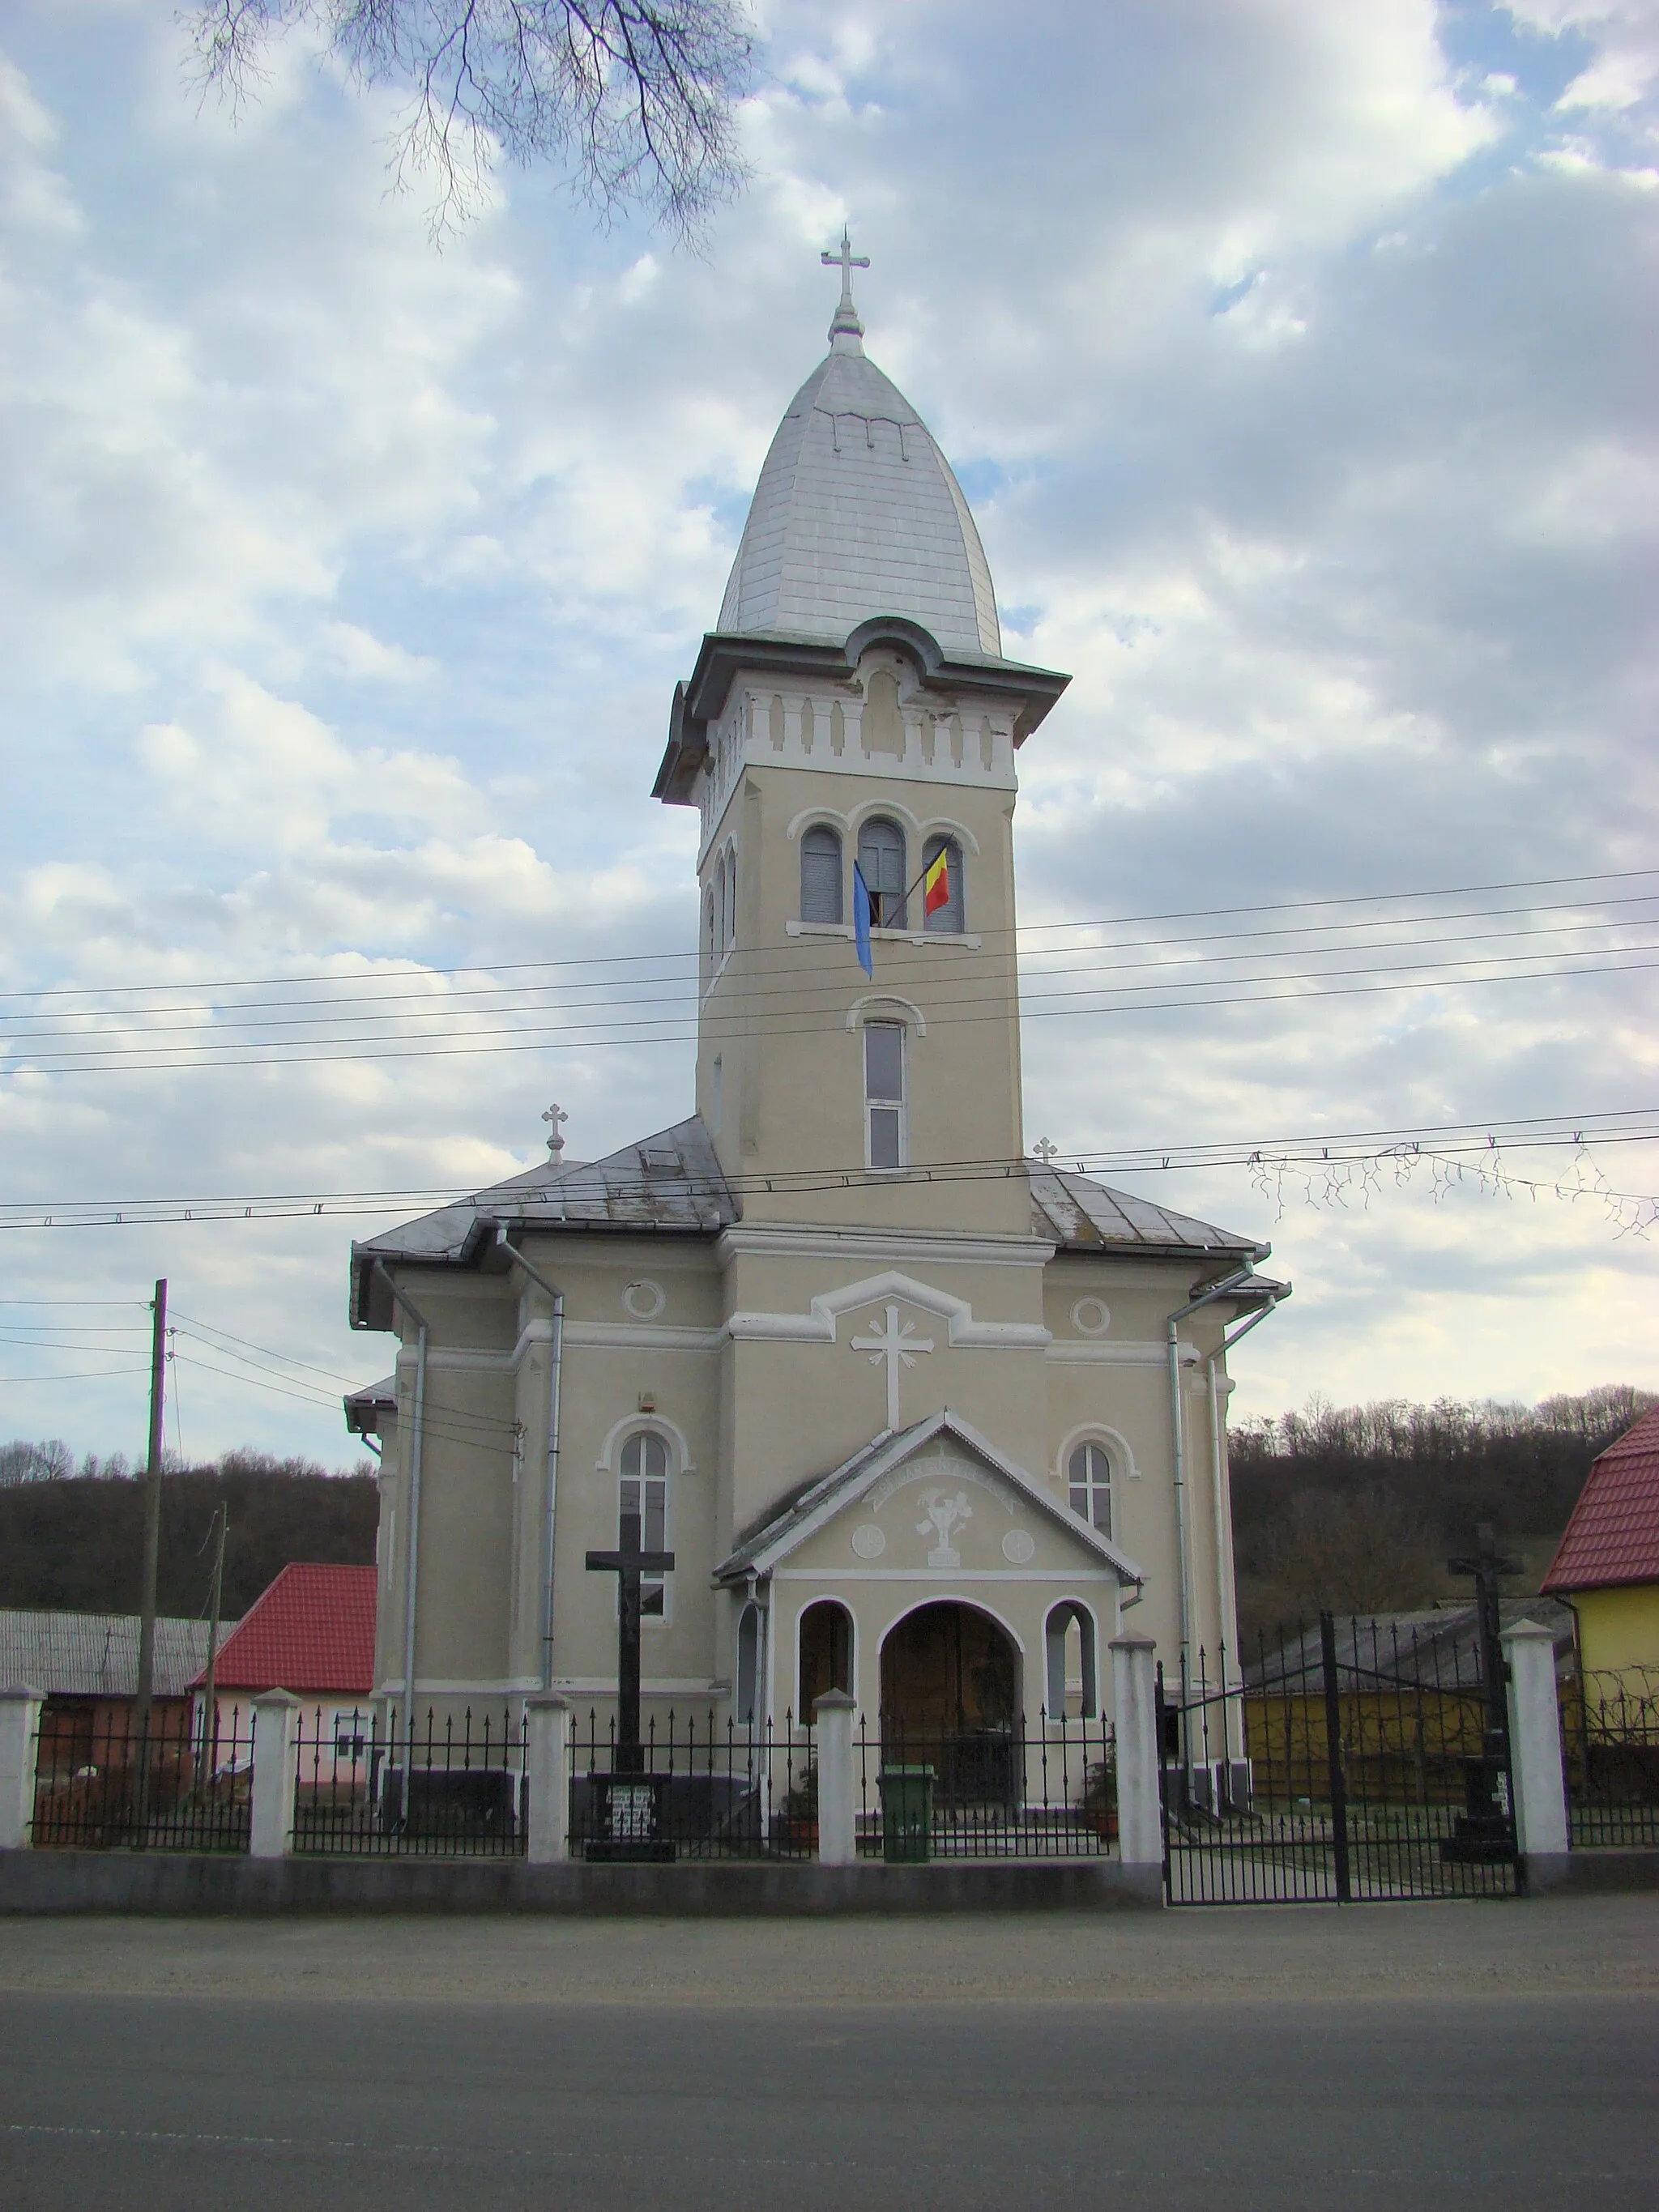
75 1541
1356 1507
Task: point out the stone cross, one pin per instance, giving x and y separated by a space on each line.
1044 1150
897 1345
554 1116
628 1563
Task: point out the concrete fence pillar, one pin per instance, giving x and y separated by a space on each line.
275 1733
832 1716
20 1727
547 1758
1535 1772
1139 1819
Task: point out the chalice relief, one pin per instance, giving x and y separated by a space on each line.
943 1512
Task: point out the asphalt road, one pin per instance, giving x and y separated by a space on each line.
1351 2060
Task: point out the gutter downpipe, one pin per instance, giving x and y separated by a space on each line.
1177 1431
413 1541
556 1364
1225 1588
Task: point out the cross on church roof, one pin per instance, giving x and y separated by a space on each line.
847 315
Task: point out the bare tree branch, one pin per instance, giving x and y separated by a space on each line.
633 99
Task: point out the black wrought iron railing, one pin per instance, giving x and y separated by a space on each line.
99 1786
367 1786
693 1788
1043 1791
1610 1754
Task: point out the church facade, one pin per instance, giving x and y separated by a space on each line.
919 1416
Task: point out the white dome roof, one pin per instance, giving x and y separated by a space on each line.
857 514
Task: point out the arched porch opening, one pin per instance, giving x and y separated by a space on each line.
1073 1680
949 1699
826 1652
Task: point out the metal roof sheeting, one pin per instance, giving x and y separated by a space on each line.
95 1654
1613 1536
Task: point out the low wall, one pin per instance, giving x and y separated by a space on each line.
182 1882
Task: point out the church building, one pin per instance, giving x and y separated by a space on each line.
918 1415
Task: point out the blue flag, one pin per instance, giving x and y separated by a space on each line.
861 921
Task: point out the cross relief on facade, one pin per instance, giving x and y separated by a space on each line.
897 1343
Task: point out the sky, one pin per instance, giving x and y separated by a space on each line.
1296 356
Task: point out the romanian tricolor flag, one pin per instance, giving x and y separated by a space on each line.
936 883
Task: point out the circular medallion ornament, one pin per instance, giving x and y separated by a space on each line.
645 1301
1017 1547
869 1541
1091 1317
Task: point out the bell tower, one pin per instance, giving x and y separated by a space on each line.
849 736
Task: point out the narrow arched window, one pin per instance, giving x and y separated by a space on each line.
826 1653
1090 1475
708 936
729 935
820 874
642 1499
942 894
886 1134
1072 1683
881 863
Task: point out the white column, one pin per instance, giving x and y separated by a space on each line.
276 1726
832 1716
1540 1791
20 1727
547 1749
1139 1822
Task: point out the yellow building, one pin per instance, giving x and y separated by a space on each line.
1607 1565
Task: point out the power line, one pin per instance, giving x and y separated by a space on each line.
1177 914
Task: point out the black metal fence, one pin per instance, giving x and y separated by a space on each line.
99 1787
1044 1792
695 1789
1610 1751
1355 1761
367 1786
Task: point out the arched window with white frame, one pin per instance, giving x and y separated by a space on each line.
820 874
708 936
1089 1478
945 916
886 1119
729 931
881 863
642 1500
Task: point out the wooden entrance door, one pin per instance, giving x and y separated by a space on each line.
949 1698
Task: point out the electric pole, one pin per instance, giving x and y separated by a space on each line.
158 1345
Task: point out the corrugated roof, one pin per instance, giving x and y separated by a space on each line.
312 1631
95 1654
1084 1215
1613 1535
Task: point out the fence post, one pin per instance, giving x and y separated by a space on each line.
832 1716
276 1721
1139 1755
20 1726
1536 1775
547 1754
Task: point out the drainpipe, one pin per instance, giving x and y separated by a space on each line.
555 1364
1177 1431
1224 1536
413 1540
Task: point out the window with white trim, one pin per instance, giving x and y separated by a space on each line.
643 1498
1090 1475
820 874
881 863
886 1142
948 918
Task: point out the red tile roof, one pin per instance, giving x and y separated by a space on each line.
1613 1535
312 1631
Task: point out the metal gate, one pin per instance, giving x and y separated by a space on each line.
1366 1759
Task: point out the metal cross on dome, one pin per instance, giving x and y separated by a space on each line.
847 261
554 1116
1044 1150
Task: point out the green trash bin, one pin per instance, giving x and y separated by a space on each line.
907 1815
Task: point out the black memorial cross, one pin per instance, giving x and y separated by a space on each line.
628 1563
1488 1828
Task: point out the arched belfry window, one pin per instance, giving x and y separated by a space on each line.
881 863
642 1499
948 917
1090 1476
820 874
